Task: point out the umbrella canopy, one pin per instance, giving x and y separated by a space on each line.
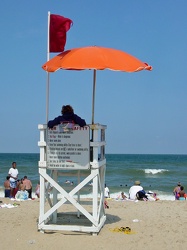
96 58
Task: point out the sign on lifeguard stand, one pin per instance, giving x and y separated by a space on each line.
68 147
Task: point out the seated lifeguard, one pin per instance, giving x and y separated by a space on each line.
67 116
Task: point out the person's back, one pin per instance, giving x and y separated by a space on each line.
7 186
134 189
27 183
67 116
7 183
28 186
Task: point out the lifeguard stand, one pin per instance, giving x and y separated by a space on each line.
76 151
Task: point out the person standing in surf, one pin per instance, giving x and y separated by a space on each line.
176 191
13 173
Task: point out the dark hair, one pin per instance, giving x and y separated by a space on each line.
8 177
13 162
67 109
182 188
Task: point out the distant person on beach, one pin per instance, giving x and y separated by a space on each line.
151 196
123 196
181 194
21 185
28 186
142 196
177 190
134 189
67 116
7 187
17 188
106 195
37 191
13 174
48 187
107 192
106 204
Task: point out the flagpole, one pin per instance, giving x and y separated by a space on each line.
47 83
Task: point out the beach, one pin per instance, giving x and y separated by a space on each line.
154 225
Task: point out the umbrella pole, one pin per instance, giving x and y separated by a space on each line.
93 106
93 97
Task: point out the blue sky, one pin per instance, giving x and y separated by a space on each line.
145 112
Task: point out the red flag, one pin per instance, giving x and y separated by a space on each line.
59 25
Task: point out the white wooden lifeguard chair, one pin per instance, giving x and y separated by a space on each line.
67 152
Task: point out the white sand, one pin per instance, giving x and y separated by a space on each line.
160 225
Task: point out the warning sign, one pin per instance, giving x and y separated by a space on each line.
68 147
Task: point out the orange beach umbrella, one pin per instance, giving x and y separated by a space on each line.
96 58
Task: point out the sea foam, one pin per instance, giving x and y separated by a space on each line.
155 171
161 195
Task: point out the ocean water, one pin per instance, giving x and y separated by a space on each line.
157 173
